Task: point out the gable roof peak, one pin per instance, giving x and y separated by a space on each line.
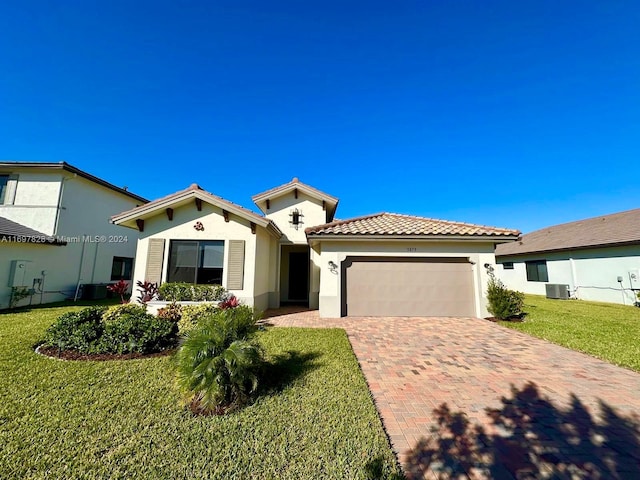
153 208
295 185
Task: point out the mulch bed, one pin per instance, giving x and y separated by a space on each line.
517 318
53 352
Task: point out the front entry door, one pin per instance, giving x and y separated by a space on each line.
298 276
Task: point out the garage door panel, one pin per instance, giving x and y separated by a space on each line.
409 288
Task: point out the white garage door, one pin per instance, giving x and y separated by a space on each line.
378 286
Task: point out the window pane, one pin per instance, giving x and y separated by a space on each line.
543 276
210 276
116 269
211 262
182 262
537 271
121 268
127 267
532 272
4 179
212 254
184 254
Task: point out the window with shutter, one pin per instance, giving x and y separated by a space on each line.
196 261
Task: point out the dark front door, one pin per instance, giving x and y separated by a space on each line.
298 276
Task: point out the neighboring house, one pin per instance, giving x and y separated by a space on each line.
597 258
384 264
55 232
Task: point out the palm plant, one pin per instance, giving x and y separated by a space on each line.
218 362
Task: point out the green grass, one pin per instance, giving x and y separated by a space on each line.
605 330
123 419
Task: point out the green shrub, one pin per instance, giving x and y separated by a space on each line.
116 311
138 333
503 303
76 330
191 314
129 329
219 360
172 312
188 292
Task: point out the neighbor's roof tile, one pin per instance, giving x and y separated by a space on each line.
607 230
396 224
11 231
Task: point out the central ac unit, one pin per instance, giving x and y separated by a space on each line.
556 290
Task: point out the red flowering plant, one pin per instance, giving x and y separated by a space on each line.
120 288
148 291
230 302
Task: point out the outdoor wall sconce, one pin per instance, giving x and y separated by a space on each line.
296 218
489 269
198 226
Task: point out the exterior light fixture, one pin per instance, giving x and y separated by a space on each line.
296 218
333 266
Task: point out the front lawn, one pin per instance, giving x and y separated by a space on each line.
123 419
605 330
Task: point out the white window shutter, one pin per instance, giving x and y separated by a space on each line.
155 256
12 186
235 270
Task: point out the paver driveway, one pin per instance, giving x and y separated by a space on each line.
413 365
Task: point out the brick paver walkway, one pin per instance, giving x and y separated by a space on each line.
413 365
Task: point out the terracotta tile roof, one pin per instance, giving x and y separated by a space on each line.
406 225
180 193
608 230
11 231
150 209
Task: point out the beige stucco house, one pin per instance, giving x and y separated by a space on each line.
378 265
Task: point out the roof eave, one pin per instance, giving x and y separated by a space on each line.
312 192
128 218
71 169
570 249
311 237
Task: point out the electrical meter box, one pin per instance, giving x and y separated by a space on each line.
21 273
634 278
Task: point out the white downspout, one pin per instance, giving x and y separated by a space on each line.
574 276
75 297
95 260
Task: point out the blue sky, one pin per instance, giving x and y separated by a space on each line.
517 114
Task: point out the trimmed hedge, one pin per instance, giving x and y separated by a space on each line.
188 292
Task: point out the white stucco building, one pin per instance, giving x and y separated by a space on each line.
55 232
379 265
596 259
